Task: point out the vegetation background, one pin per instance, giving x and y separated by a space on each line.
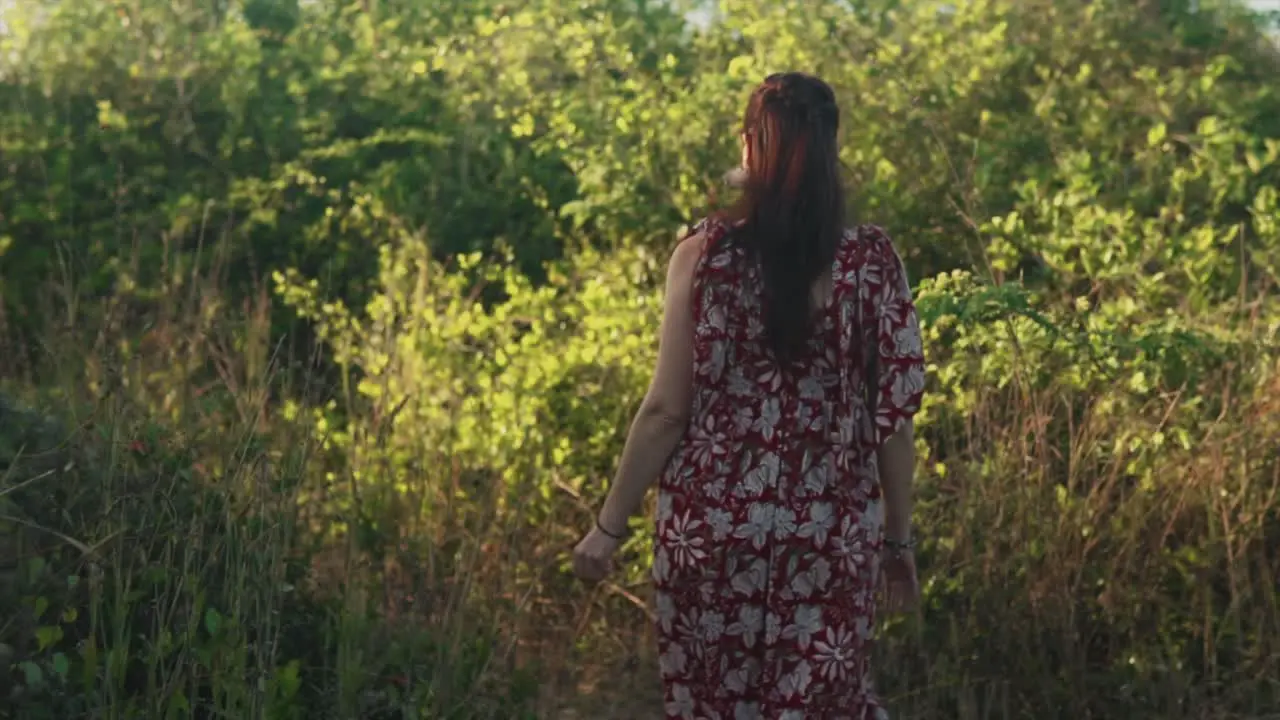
323 321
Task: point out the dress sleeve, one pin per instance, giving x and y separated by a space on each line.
899 358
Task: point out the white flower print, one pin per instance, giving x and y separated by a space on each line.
680 476
851 547
820 571
721 522
710 626
784 523
665 610
763 475
672 663
906 385
738 680
822 418
746 711
815 578
661 565
793 563
816 477
715 318
739 385
715 489
715 363
752 580
807 622
907 341
869 277
664 507
719 261
687 629
767 422
686 548
801 586
770 379
864 478
748 626
822 517
682 703
807 416
844 431
704 446
797 681
846 461
892 315
766 503
772 628
758 525
811 388
731 564
835 654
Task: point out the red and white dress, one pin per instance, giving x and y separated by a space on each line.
769 514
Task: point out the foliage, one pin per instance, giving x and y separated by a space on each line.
369 292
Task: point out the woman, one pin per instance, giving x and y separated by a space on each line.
778 425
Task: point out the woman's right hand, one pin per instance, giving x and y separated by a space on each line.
901 586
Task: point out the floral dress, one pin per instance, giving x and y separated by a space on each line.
769 516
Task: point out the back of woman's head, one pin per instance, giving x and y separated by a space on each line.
792 205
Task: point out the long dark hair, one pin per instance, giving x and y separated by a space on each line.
791 214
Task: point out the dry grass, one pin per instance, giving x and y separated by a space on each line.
1060 581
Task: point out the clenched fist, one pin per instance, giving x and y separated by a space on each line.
593 556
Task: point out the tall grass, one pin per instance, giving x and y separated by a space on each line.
1064 583
170 547
181 541
1061 583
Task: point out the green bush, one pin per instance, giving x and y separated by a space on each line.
323 323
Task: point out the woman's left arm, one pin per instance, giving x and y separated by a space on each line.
664 414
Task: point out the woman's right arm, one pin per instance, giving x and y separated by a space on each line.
897 460
900 371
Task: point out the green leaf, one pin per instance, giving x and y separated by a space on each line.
48 635
32 674
212 621
35 568
61 665
1156 135
179 706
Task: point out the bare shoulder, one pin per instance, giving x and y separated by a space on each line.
690 247
684 259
